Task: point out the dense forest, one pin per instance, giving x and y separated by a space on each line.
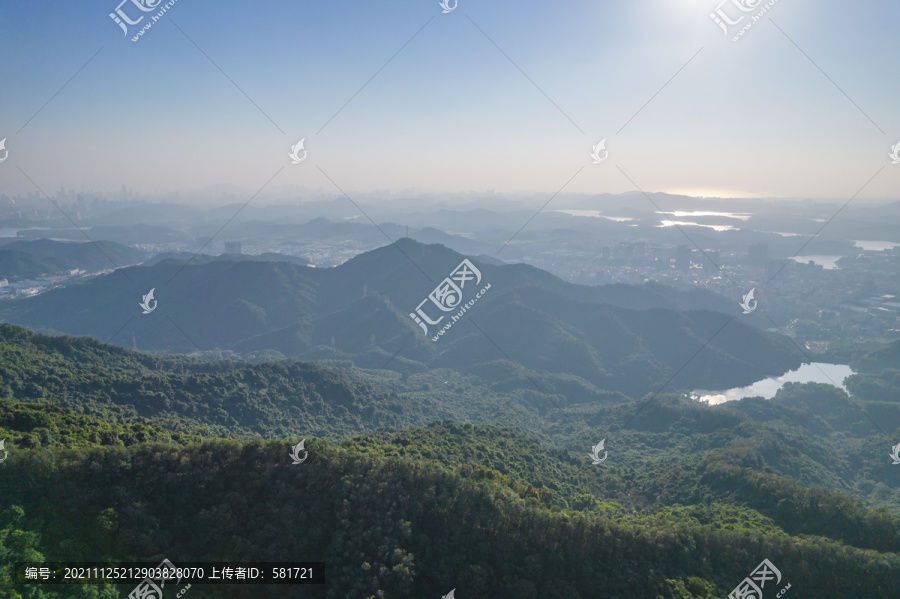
395 527
422 482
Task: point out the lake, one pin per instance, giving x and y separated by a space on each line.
814 372
685 223
829 262
737 215
594 214
875 246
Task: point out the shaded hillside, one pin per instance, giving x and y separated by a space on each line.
198 259
617 337
23 259
125 232
878 383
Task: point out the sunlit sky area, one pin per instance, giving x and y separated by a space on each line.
217 93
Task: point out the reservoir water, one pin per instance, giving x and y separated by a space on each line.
814 372
829 262
594 214
875 246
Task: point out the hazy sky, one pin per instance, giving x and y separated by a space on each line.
450 112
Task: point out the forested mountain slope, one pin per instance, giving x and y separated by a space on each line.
389 527
24 259
617 337
118 455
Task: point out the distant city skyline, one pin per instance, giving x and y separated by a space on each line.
508 97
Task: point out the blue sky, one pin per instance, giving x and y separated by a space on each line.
450 112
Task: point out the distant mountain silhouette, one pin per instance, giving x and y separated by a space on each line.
195 258
617 337
125 233
27 259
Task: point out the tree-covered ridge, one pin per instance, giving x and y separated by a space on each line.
29 259
618 337
737 475
878 384
879 359
393 527
273 399
33 425
810 433
814 433
800 472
